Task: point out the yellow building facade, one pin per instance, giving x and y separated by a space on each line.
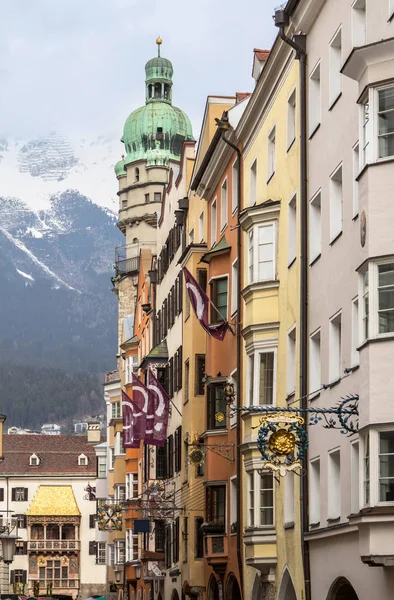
269 131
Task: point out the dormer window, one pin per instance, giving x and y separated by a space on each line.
82 460
34 460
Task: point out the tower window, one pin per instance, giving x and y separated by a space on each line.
159 133
137 174
166 90
157 90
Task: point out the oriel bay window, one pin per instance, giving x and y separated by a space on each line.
216 407
377 292
219 298
377 466
261 252
377 125
261 377
260 498
216 506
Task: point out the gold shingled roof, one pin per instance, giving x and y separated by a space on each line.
54 500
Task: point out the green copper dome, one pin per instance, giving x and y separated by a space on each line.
156 132
119 168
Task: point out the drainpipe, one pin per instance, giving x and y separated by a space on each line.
224 126
299 45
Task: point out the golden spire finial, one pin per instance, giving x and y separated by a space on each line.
159 42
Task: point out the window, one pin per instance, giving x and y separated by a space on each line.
366 471
289 498
18 576
178 449
200 468
116 410
201 227
111 458
358 23
354 465
120 552
365 307
336 204
253 183
291 362
34 460
102 467
82 460
92 548
146 197
386 466
386 298
216 504
119 448
261 378
233 505
379 278
260 499
124 203
314 362
234 287
111 555
168 545
20 548
186 385
262 251
292 230
335 366
213 223
185 537
199 388
131 545
356 170
120 493
334 485
156 197
216 407
170 456
131 486
19 494
175 540
223 205
386 122
291 119
234 194
314 492
137 174
131 367
335 63
219 299
355 336
271 153
92 521
365 133
314 100
198 538
159 536
21 519
1 494
161 462
101 553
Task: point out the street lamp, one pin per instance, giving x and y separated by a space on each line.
8 546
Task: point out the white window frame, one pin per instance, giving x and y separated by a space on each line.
334 487
373 435
372 268
336 203
253 380
101 462
291 361
234 187
335 65
359 23
315 233
253 497
120 552
120 492
101 555
314 491
292 229
119 448
369 127
83 460
271 153
111 555
111 459
355 476
356 171
291 118
255 232
214 221
34 461
375 441
234 287
314 363
201 227
355 356
131 545
253 183
223 204
131 486
116 410
314 98
335 347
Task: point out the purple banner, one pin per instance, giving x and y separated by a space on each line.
161 402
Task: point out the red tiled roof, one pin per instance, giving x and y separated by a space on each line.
242 95
261 54
58 455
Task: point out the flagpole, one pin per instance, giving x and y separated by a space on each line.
219 313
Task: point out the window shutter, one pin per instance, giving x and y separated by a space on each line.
202 279
26 494
178 449
171 378
24 522
92 548
1 494
12 576
13 494
92 521
24 576
180 365
24 547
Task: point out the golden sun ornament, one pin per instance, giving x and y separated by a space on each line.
282 442
219 417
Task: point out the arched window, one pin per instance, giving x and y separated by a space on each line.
137 174
157 90
34 460
166 90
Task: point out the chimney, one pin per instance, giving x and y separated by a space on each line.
94 433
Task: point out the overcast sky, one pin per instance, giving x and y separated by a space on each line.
77 66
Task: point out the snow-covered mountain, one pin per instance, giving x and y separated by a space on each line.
34 170
57 240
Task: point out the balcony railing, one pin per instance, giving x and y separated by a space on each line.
58 545
124 264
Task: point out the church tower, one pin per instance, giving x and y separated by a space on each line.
153 136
